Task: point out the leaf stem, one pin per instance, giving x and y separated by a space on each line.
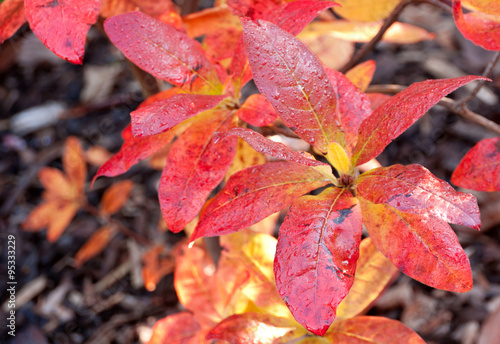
368 47
452 105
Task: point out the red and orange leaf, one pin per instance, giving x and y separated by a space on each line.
220 45
480 167
158 262
115 197
486 6
61 219
372 330
11 18
56 184
253 8
316 256
251 328
264 145
362 74
162 115
373 274
62 25
94 245
257 111
481 28
377 99
414 189
422 247
210 20
240 69
352 104
41 216
294 82
179 328
255 193
195 166
74 163
399 112
132 151
160 49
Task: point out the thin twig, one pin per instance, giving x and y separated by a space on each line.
368 47
450 104
480 84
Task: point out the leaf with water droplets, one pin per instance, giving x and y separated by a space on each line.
316 256
399 112
253 194
480 167
294 82
266 146
414 189
421 246
62 25
160 49
481 28
11 18
195 165
162 115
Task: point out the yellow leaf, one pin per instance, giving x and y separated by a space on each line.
245 157
486 6
362 74
337 156
332 51
94 245
365 10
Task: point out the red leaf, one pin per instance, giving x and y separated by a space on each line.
195 165
372 330
162 115
240 69
133 150
254 193
62 25
251 328
11 18
253 8
353 105
316 256
481 28
480 167
422 247
160 49
264 145
294 82
414 189
257 111
180 328
399 112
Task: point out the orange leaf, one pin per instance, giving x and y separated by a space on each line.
94 245
373 273
210 21
179 328
61 219
56 184
40 217
11 18
157 263
74 164
486 6
115 197
154 8
362 74
372 330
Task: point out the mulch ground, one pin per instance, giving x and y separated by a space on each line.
104 301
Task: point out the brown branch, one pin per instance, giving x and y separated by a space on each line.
452 105
368 47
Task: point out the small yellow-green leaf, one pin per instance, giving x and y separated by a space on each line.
337 156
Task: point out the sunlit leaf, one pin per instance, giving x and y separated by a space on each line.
179 328
11 18
209 21
414 189
486 6
481 28
257 111
245 157
480 167
422 247
62 25
316 256
294 82
372 330
266 146
338 158
94 245
373 273
365 10
195 166
362 74
399 112
254 193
